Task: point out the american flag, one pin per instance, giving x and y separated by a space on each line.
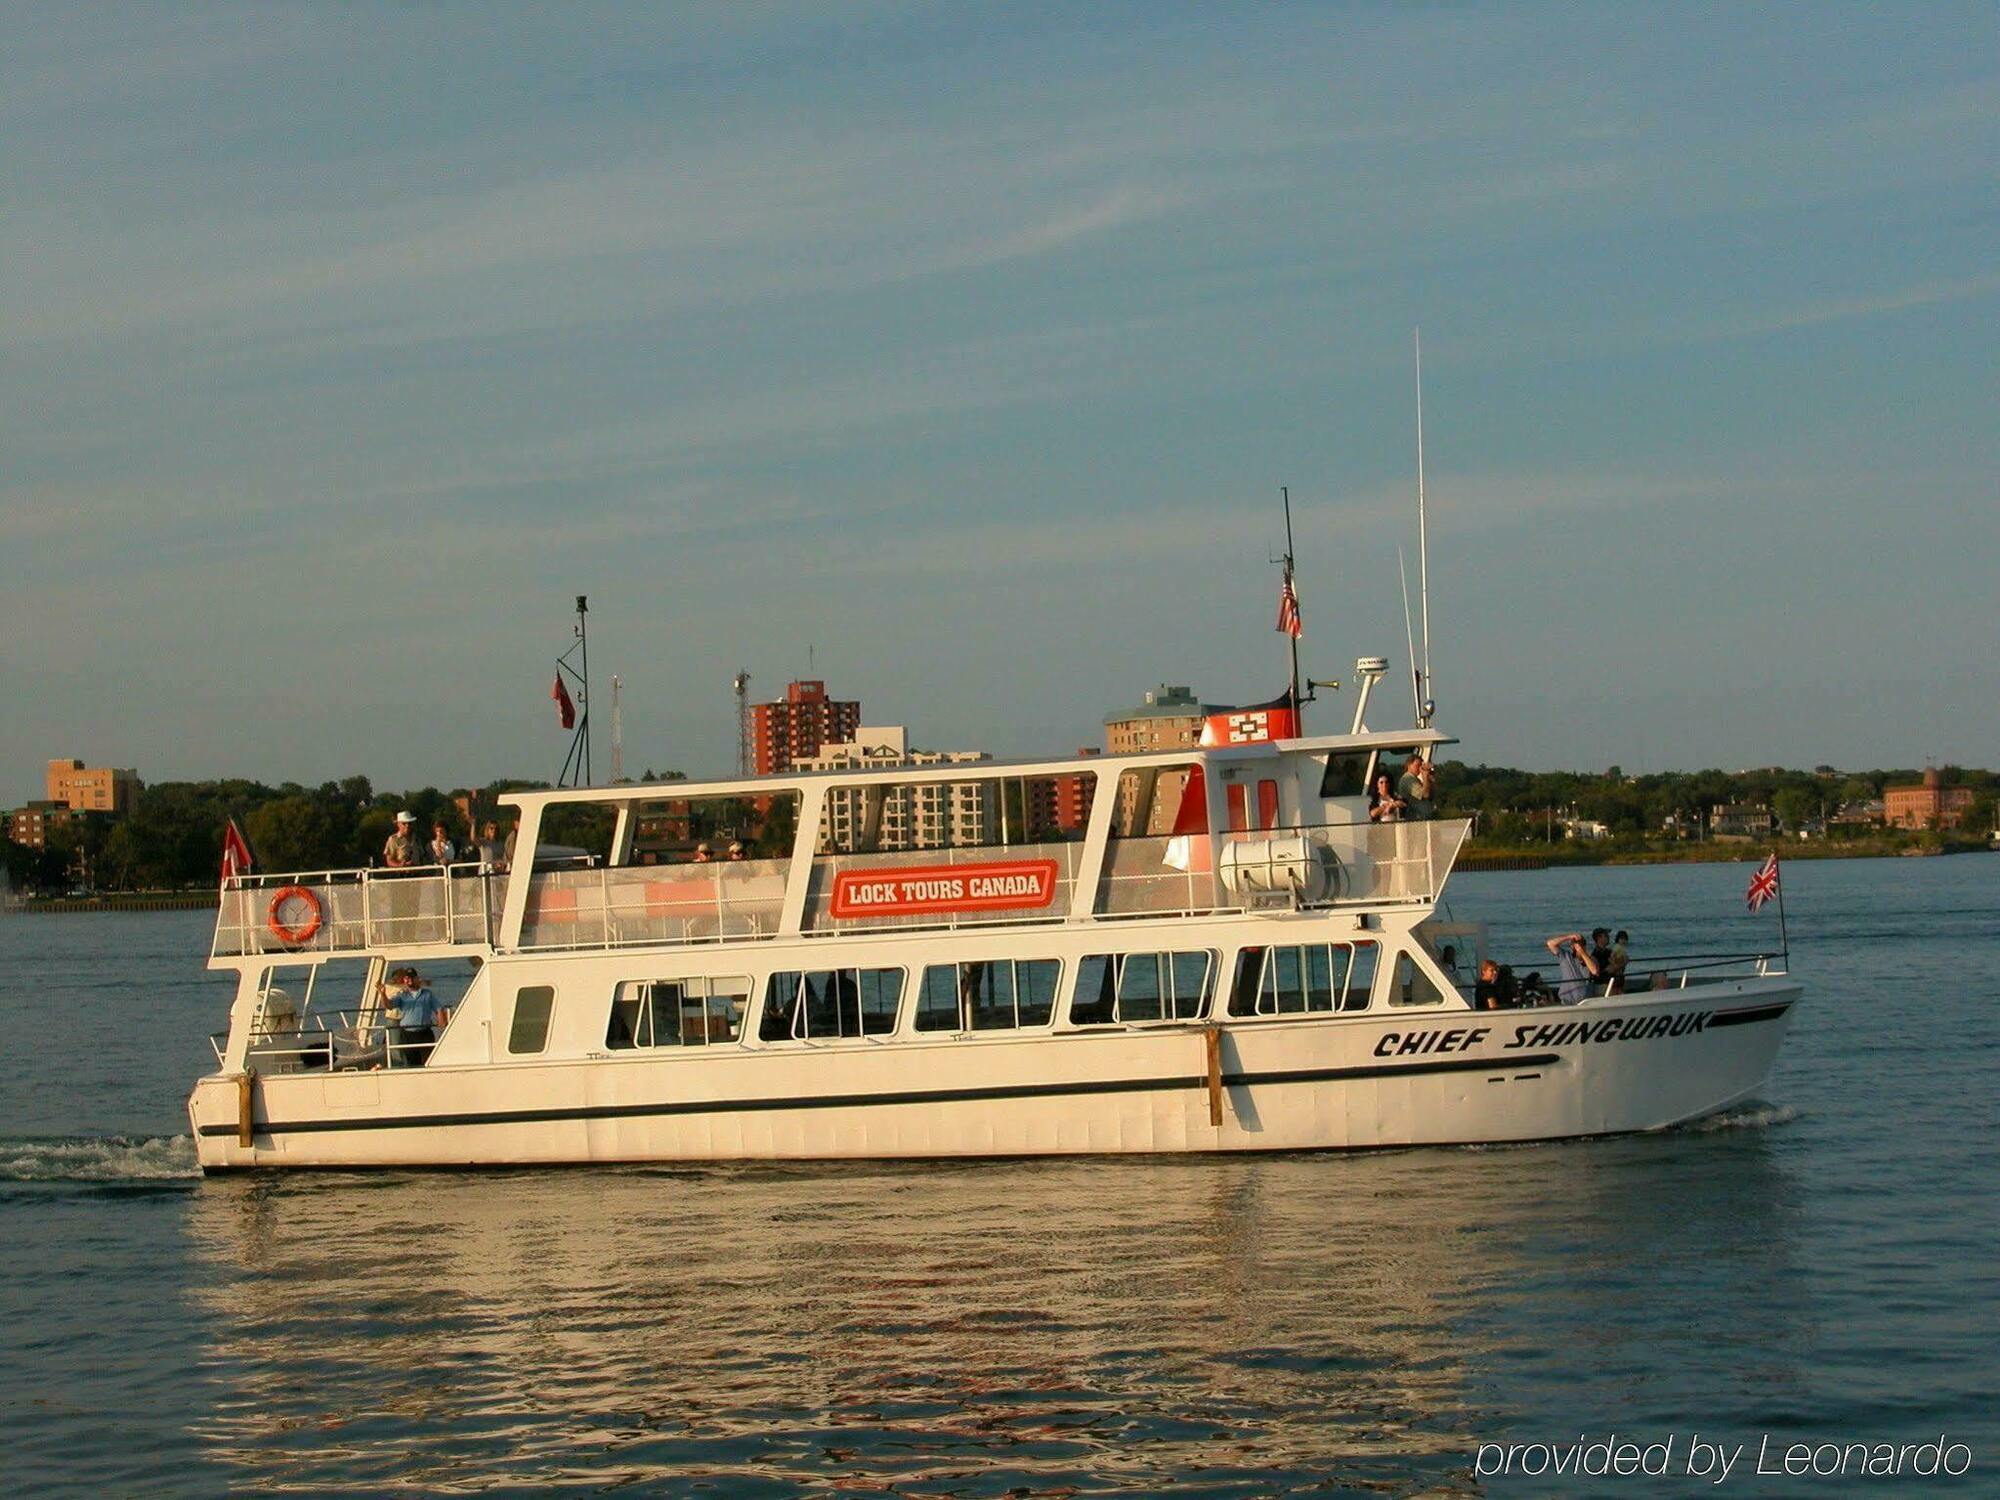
1288 610
1764 884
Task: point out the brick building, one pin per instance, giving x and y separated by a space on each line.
1061 803
31 825
797 726
1929 804
1170 717
92 788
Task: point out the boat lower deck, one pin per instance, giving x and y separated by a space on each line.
1607 1065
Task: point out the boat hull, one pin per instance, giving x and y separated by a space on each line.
1379 1079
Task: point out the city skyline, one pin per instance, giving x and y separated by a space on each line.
958 362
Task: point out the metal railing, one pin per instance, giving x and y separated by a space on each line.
359 911
613 907
1664 972
1319 865
338 1041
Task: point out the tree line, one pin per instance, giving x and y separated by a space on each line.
173 838
1515 806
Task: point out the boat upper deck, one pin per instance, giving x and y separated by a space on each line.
1257 826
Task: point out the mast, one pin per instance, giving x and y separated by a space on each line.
1292 634
1426 700
1410 640
576 765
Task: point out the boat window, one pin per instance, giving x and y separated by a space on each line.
1129 988
1346 775
821 1004
1307 979
998 994
533 1005
1414 985
676 1012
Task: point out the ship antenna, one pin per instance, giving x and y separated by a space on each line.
1409 638
1424 708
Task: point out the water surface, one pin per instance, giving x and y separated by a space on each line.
1818 1265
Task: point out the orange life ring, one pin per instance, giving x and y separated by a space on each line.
295 934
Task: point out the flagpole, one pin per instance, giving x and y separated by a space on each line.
1298 704
1784 937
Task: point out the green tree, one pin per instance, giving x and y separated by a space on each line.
300 832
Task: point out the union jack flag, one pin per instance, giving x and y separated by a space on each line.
1288 610
1764 884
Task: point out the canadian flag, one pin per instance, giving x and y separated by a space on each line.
1276 720
235 853
565 708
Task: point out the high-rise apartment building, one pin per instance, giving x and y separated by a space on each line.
93 788
797 726
916 815
1169 718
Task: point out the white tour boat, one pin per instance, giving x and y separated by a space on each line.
1207 949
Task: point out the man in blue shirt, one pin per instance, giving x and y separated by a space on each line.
415 1011
1578 967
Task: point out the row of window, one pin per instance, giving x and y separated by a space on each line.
1004 994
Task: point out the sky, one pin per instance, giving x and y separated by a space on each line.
956 355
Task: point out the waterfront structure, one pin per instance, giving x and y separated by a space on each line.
1928 804
93 788
1740 820
1228 986
906 815
796 727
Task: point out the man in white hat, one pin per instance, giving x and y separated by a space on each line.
400 852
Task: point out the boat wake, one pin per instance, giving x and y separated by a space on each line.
1754 1116
110 1158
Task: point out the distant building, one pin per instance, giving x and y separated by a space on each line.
915 815
1929 804
31 825
1170 717
795 728
1740 820
1585 830
1061 803
1867 813
93 788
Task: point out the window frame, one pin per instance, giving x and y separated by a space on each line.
1349 998
1167 982
646 1007
965 1009
541 1046
802 1004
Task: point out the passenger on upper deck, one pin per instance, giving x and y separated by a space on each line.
1416 787
703 854
441 849
1384 806
735 851
399 851
492 852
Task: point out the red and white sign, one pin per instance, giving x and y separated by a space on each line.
919 890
